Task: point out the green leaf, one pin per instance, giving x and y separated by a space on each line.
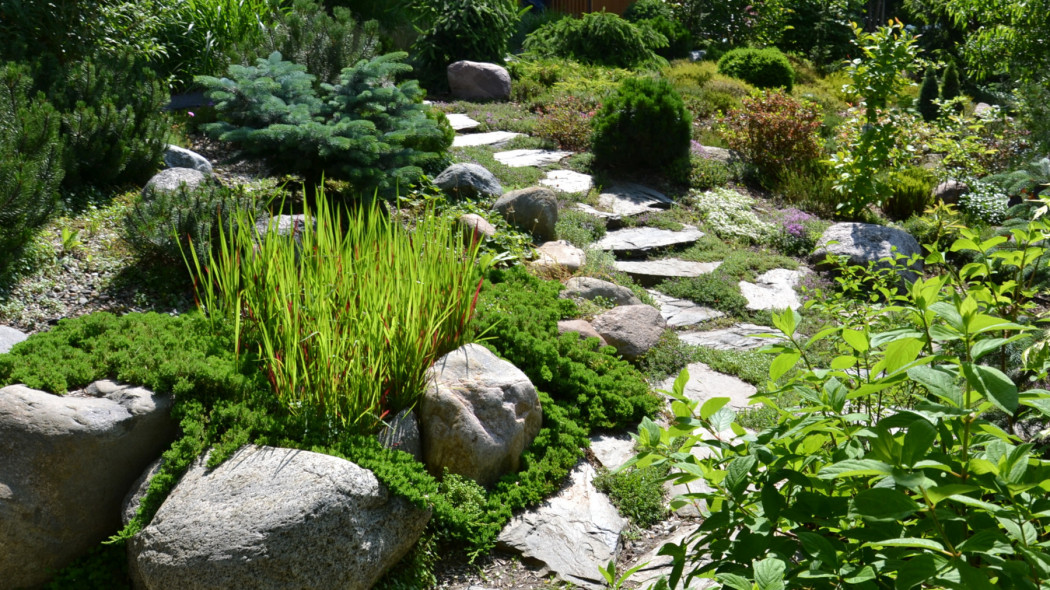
901 353
992 384
921 434
854 467
817 547
738 470
769 574
782 364
939 493
787 322
843 362
1024 533
973 578
915 571
735 581
857 339
939 382
866 574
883 504
680 382
711 406
913 542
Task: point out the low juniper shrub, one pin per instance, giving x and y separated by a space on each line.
764 68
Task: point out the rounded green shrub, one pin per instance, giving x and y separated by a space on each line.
598 38
644 125
765 68
647 9
476 30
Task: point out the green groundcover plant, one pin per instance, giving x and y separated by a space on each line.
890 472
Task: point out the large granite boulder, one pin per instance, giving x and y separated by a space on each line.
66 463
591 288
270 518
172 180
478 414
468 181
10 337
532 209
864 243
631 329
177 157
472 80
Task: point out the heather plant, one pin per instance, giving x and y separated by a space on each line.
345 321
763 68
714 290
644 125
706 173
775 132
877 76
30 160
795 232
366 129
567 123
598 38
912 188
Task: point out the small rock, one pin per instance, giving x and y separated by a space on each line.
590 288
283 225
476 224
651 272
642 239
471 80
612 450
172 180
468 181
10 337
492 138
402 434
560 254
568 181
581 327
716 153
177 157
631 329
533 209
949 191
478 414
523 158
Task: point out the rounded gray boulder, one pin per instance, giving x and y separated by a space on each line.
533 209
468 181
631 329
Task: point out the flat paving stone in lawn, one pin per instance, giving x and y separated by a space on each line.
652 272
461 122
568 181
523 158
738 337
641 239
492 138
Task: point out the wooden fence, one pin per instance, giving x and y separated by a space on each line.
578 7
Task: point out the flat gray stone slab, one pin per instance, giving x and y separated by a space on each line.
611 450
461 122
648 238
627 199
523 158
705 384
568 181
573 533
738 337
774 289
10 337
651 272
680 313
492 138
596 212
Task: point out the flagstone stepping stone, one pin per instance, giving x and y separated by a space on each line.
492 138
641 239
650 272
461 122
738 337
523 158
680 313
657 566
574 533
705 384
612 450
568 181
774 289
628 199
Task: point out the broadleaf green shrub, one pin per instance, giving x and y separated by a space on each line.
30 159
454 30
598 38
763 68
643 126
888 472
365 129
519 313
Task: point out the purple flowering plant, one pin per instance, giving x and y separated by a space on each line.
795 232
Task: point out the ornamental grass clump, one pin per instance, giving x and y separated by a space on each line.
346 315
